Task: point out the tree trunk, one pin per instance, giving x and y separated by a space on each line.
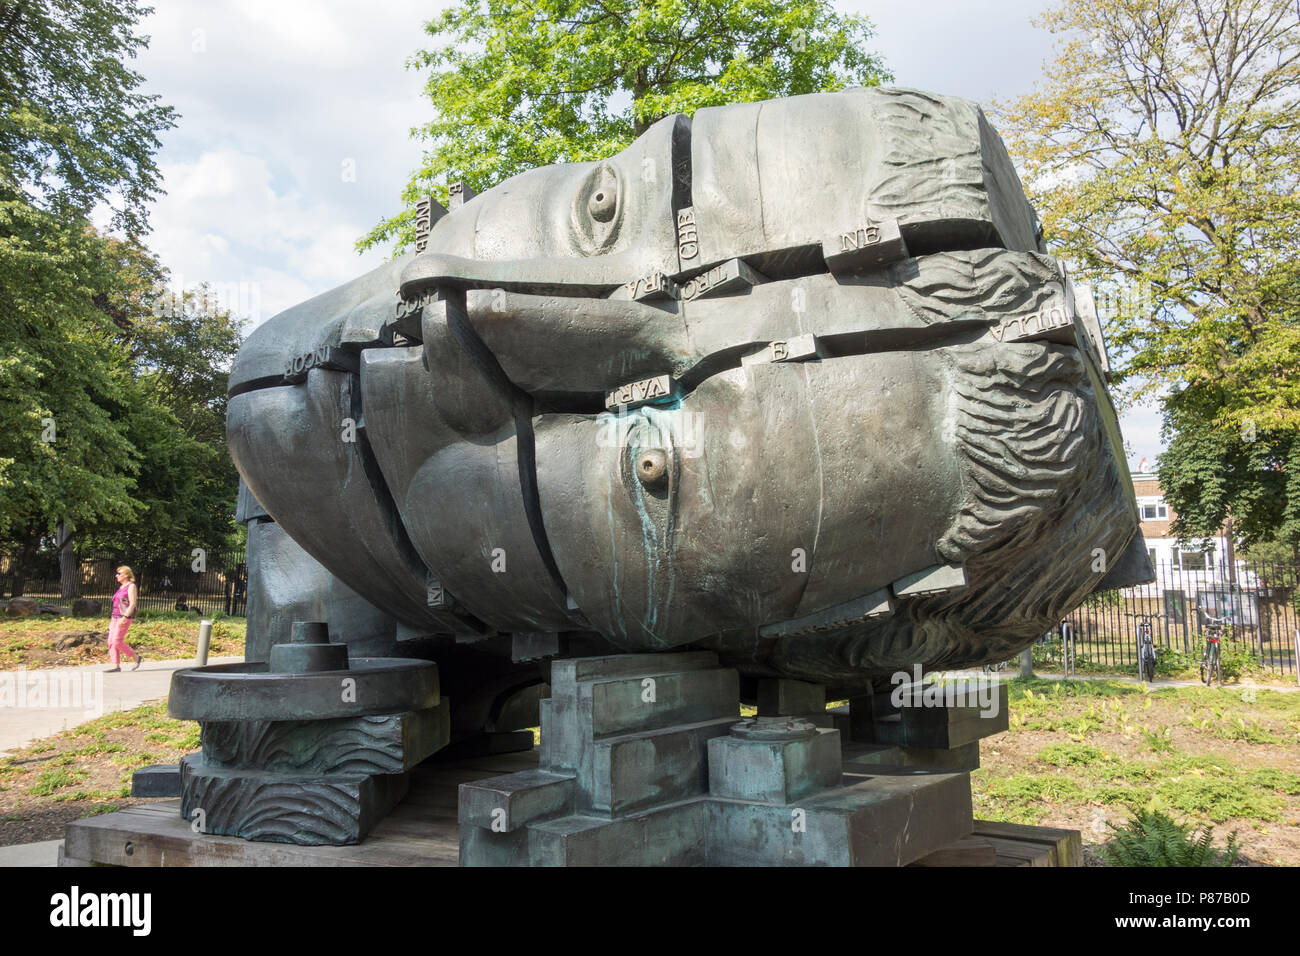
22 564
69 576
1027 662
640 87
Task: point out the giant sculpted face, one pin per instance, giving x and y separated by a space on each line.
791 380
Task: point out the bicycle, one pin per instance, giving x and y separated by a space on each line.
1211 665
1146 650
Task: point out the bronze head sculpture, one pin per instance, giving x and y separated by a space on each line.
793 381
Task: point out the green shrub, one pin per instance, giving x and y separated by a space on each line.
1152 838
1236 660
1033 788
1171 662
47 781
1044 654
1219 798
1114 794
1270 778
1250 731
1069 755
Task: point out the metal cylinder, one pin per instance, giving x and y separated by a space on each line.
309 632
205 638
1027 662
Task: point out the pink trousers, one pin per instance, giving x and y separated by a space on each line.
117 628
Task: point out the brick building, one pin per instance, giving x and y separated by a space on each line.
1156 516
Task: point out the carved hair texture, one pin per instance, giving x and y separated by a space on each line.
1020 429
992 283
929 156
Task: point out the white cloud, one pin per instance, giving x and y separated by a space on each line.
224 221
273 99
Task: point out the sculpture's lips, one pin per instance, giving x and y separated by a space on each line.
576 277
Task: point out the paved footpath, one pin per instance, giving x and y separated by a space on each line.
45 853
37 703
30 709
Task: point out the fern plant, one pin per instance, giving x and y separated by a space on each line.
1153 838
1160 739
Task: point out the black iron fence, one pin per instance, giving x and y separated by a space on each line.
206 582
1259 603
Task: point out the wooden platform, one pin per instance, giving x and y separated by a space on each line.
1010 844
422 831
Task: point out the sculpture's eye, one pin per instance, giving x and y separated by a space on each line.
597 209
603 202
651 466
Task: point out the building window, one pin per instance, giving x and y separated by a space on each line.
1156 511
1194 560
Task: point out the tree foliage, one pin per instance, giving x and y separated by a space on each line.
1163 152
177 349
516 85
111 408
75 130
112 405
1210 474
62 452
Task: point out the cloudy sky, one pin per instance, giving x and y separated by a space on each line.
295 117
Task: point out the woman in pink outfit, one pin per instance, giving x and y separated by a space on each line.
123 615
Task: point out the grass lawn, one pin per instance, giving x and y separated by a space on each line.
86 770
1080 754
161 635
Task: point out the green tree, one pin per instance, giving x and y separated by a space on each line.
1163 152
1211 474
516 85
179 348
111 412
116 398
75 130
63 454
